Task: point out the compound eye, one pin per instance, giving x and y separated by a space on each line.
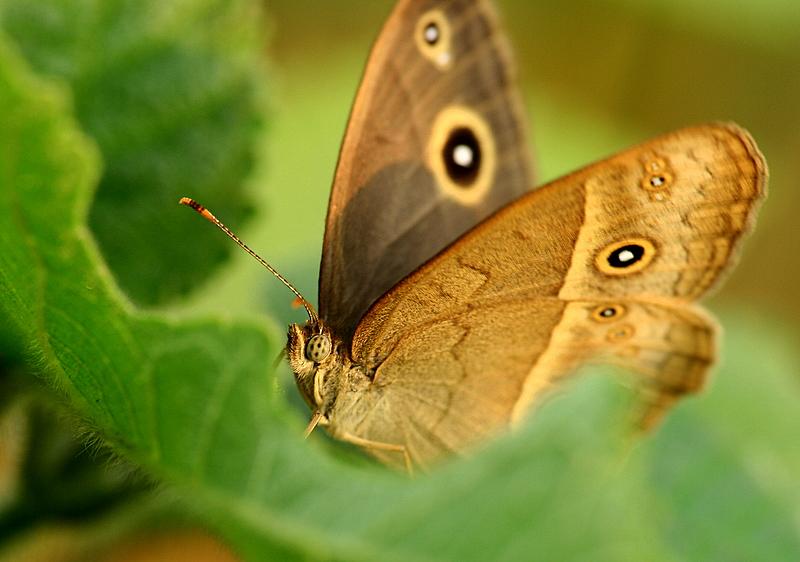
318 348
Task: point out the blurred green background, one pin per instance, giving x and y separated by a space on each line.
242 105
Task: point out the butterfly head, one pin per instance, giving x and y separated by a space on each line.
315 358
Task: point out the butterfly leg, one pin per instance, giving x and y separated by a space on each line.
367 444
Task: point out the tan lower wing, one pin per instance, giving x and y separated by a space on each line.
457 381
671 348
454 381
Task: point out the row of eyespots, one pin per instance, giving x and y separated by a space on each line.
461 149
657 179
635 254
631 255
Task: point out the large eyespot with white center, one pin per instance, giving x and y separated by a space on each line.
608 313
461 153
432 35
626 256
318 348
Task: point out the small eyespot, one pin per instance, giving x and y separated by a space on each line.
626 256
620 333
657 179
318 348
432 36
657 182
608 312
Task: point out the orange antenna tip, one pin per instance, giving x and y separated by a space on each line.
189 202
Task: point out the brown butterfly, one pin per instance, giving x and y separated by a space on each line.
451 298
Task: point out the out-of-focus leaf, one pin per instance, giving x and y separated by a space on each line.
725 467
172 92
13 443
120 537
768 23
64 501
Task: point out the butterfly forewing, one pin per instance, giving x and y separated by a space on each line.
435 143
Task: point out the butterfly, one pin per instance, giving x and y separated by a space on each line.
453 297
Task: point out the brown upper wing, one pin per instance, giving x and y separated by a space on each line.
600 265
437 78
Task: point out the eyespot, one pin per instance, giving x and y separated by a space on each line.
626 256
318 348
432 35
620 333
461 154
657 179
608 312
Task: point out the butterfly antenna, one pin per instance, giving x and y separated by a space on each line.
312 314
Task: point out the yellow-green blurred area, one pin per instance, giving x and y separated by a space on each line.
140 418
597 76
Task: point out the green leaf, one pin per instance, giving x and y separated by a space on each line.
726 470
172 92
